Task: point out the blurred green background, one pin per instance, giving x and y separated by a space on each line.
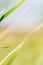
29 54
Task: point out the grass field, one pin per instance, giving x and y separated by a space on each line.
31 53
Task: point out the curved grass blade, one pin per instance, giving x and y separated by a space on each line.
11 10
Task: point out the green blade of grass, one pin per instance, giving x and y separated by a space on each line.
11 10
10 54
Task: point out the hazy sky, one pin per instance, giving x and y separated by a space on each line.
26 17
